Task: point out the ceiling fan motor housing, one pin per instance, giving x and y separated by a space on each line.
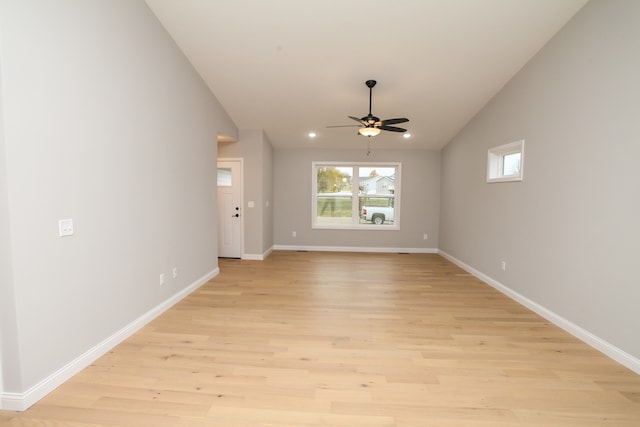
371 120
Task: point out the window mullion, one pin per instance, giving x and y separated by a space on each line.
355 196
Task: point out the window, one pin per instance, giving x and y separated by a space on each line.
360 196
504 163
224 177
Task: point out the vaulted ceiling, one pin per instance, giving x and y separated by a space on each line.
294 66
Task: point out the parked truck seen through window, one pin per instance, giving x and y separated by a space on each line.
377 210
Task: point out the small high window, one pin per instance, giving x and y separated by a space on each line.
504 163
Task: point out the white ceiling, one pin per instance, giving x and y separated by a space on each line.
293 66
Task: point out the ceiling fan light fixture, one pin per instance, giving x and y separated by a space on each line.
368 131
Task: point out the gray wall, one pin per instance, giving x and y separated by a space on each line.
8 328
569 232
267 195
107 123
419 200
256 151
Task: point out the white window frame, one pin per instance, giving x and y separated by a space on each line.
355 214
495 162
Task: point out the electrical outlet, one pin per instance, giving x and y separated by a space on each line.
426 236
293 234
504 266
161 279
175 272
65 227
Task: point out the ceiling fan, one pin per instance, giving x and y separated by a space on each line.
371 125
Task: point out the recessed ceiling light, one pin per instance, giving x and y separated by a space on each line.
312 134
406 135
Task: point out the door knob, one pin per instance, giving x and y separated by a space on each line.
236 216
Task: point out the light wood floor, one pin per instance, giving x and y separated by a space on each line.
349 340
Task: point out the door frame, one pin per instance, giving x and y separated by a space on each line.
240 160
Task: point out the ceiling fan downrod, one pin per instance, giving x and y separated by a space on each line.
370 84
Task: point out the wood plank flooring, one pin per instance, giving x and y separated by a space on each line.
345 340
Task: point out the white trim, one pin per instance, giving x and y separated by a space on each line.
587 337
22 401
268 252
258 257
11 402
355 249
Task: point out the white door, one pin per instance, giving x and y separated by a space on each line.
230 208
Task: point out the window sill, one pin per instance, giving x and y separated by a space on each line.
504 179
356 227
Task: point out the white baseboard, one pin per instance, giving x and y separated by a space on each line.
22 401
587 337
355 249
267 252
258 257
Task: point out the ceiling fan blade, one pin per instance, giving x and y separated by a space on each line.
394 121
344 126
392 128
362 122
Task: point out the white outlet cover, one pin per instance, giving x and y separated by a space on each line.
65 227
